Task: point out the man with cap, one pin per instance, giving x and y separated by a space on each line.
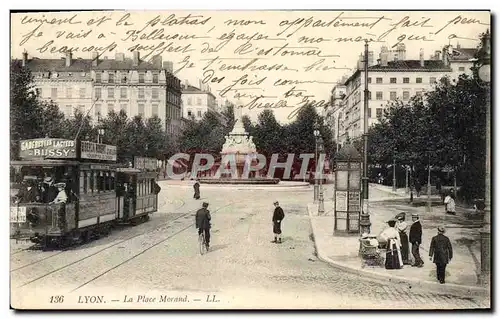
416 240
203 219
442 252
278 216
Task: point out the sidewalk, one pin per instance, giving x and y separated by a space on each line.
461 274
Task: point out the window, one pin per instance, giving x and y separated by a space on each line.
393 80
419 80
123 93
81 109
369 95
141 93
155 78
369 112
380 95
198 101
141 110
111 78
83 93
69 110
154 93
199 113
124 78
98 77
406 80
189 101
111 107
39 91
123 107
189 113
369 80
461 68
418 93
379 112
69 93
141 77
393 95
97 109
154 110
111 93
53 93
379 80
406 95
432 80
98 93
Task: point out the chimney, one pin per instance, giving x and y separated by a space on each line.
69 57
370 58
169 66
25 58
94 58
157 62
200 84
384 56
437 55
136 58
186 83
458 45
119 57
422 62
401 49
361 63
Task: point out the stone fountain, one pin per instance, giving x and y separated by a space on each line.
240 146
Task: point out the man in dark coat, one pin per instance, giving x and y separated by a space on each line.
416 240
203 222
28 193
49 192
278 216
196 187
442 252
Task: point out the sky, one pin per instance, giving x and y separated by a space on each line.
258 59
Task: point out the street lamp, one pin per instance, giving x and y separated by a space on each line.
394 188
484 73
100 132
316 135
321 207
365 214
429 204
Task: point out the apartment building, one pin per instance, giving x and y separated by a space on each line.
197 101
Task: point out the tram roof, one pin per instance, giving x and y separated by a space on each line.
44 162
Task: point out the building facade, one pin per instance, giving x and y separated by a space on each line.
197 101
97 86
389 81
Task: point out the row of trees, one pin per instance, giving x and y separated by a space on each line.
445 130
30 117
270 137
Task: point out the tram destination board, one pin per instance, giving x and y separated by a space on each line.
95 151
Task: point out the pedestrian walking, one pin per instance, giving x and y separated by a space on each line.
442 252
196 187
278 216
402 228
393 259
416 240
449 203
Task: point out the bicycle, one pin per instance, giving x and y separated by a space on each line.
202 243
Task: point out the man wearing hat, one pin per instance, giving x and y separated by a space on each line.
278 216
416 240
28 192
49 191
442 252
203 219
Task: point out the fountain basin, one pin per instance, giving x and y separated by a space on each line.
238 181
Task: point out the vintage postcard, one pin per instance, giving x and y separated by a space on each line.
250 160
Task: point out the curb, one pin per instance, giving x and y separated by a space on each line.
429 285
299 187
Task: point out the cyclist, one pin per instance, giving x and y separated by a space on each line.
203 222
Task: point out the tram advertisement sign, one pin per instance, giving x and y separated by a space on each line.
47 148
97 151
145 163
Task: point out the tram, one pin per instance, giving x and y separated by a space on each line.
72 191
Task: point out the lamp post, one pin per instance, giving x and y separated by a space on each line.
100 132
429 204
321 207
394 188
484 73
316 186
365 214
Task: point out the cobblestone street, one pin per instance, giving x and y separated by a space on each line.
243 268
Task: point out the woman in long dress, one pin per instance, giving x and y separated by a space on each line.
402 228
393 259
